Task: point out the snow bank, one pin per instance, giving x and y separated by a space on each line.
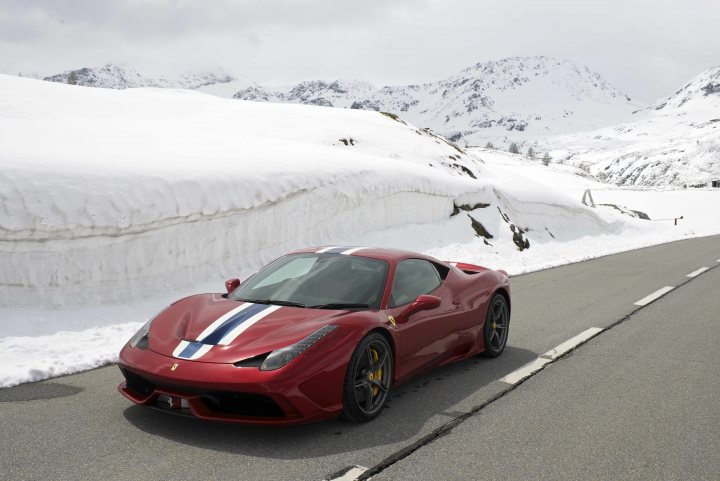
107 196
114 203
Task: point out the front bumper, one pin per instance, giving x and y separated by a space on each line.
308 389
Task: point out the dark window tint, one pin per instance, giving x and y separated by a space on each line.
316 280
413 277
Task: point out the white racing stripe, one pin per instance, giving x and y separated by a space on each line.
183 344
180 348
655 295
352 251
208 330
325 249
201 352
351 474
571 343
230 336
697 272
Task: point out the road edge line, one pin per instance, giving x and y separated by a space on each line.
654 296
348 474
452 424
697 272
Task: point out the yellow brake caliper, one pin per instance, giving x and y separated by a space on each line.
375 374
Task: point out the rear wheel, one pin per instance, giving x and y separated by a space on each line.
497 325
368 379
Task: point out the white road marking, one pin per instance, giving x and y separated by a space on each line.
534 366
351 474
697 272
655 295
571 343
525 371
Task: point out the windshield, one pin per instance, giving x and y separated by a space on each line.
330 281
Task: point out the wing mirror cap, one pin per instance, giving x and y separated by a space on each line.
423 302
232 284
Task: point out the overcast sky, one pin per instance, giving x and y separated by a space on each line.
648 48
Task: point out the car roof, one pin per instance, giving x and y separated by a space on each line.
381 253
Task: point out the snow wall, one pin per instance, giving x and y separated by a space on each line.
109 197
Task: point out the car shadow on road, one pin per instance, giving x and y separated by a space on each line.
414 409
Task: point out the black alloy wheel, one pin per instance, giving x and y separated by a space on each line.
368 379
496 328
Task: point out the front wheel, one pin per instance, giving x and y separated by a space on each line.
368 379
496 327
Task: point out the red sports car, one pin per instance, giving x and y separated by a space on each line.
315 334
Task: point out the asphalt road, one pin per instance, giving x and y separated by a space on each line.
637 401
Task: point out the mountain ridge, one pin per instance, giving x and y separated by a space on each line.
674 141
500 101
124 77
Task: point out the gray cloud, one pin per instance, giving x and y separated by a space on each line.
645 47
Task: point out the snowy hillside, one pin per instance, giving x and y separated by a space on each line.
123 77
512 99
114 203
178 185
675 141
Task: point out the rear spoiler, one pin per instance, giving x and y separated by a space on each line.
472 268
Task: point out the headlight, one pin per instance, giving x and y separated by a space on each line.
280 357
140 339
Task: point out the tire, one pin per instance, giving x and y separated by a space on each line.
496 327
368 379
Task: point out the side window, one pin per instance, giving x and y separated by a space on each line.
413 277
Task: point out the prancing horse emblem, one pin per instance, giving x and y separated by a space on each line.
174 366
392 320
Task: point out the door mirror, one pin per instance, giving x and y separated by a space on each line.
232 284
422 303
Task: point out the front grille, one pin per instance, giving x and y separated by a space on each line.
221 402
137 383
242 404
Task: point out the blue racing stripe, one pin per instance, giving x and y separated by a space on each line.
227 326
338 250
190 350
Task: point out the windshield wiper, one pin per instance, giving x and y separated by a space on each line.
276 302
340 305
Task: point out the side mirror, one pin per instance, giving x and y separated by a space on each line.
422 303
232 284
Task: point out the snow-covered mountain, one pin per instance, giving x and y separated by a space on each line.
675 141
500 101
513 99
124 77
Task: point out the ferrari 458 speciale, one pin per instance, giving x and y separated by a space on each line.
315 334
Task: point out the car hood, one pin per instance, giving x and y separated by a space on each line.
211 328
